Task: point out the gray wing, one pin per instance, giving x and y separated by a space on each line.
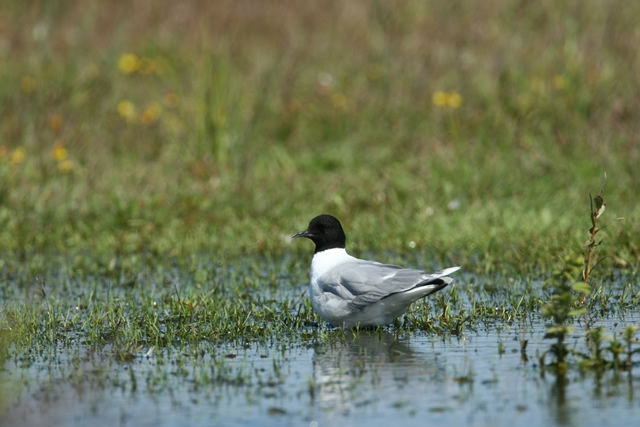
365 282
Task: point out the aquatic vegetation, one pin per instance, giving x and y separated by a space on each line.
565 305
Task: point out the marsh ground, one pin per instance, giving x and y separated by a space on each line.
156 157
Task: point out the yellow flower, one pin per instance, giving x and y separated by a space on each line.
127 110
28 84
65 166
129 63
454 100
59 152
151 113
17 156
439 99
446 99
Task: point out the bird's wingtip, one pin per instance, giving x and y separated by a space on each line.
450 270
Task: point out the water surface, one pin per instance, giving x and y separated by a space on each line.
375 379
325 376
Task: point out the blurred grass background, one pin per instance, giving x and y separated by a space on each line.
473 131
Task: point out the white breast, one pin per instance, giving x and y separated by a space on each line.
326 260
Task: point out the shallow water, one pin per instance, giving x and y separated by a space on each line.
374 379
326 377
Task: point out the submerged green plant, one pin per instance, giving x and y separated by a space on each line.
562 307
602 344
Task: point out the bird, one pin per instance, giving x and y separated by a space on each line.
350 292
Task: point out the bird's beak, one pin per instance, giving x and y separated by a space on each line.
304 233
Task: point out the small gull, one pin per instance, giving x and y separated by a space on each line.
347 291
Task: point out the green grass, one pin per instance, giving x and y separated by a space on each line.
243 132
246 301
